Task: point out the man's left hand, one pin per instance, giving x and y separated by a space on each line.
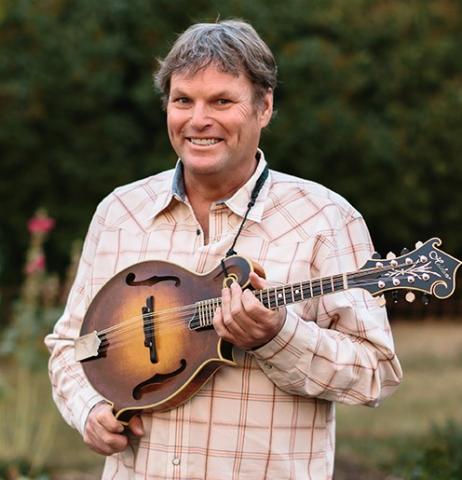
243 320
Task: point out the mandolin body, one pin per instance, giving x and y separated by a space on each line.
123 371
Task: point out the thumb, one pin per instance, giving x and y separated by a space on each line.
136 425
257 282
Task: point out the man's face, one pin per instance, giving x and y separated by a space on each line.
214 124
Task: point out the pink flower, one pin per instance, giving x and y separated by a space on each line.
36 265
40 224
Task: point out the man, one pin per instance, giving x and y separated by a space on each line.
272 416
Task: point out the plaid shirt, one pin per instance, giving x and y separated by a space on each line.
272 416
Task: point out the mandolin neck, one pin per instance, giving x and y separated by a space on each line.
275 297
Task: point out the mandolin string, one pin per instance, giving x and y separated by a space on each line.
190 309
130 336
165 316
133 334
178 320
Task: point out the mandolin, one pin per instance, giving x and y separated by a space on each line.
147 341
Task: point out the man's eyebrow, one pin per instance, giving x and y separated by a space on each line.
222 94
178 91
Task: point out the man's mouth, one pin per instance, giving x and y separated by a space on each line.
205 142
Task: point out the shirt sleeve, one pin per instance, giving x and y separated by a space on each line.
72 393
346 354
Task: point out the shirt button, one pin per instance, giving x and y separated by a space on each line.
176 461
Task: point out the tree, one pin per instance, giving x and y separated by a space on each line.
368 104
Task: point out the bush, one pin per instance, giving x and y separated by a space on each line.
437 457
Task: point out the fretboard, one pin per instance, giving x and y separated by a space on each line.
275 297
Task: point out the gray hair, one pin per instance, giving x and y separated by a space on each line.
233 46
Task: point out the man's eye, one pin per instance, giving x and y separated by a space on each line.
181 100
223 101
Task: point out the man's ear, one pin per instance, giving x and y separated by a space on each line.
266 108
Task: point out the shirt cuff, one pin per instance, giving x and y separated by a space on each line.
294 338
82 405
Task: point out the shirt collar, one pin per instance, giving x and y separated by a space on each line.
237 202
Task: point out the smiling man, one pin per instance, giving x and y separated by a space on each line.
272 416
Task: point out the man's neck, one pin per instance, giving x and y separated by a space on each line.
203 190
212 188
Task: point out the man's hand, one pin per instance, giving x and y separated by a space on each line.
104 433
243 320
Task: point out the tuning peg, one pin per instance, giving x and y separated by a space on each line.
425 299
390 255
418 244
376 255
410 297
395 297
382 300
404 251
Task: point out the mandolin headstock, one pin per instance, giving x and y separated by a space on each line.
426 269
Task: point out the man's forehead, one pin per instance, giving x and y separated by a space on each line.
209 75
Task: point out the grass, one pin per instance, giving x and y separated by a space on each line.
431 356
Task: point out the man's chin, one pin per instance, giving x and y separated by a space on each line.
202 164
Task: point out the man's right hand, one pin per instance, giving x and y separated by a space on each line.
104 433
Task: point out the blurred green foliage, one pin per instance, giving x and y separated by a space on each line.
435 457
368 103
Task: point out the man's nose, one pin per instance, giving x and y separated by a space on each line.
200 116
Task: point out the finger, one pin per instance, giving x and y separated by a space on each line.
218 324
235 318
104 442
99 432
105 417
258 282
136 425
109 443
223 321
253 308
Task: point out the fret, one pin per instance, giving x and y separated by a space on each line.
332 283
315 286
292 292
285 292
311 288
298 293
274 299
201 314
274 302
320 286
269 299
211 313
345 281
280 296
206 313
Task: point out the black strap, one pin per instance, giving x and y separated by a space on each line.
253 198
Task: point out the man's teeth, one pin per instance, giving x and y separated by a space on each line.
204 141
